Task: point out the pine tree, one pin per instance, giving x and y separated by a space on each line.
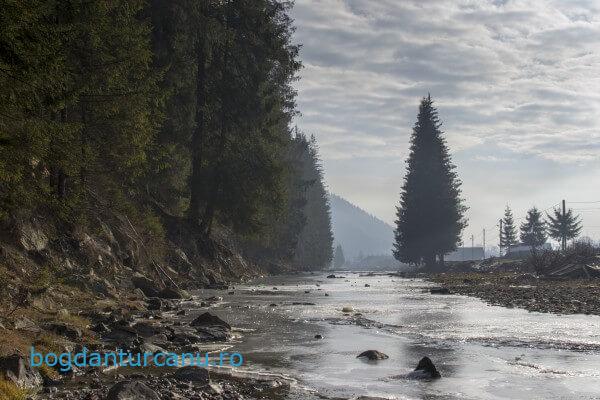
508 236
563 227
430 217
338 259
533 230
315 243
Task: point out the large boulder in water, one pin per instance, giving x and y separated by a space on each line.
373 355
425 370
212 328
208 319
131 390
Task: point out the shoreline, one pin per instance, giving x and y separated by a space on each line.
524 290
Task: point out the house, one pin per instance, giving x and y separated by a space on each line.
524 250
465 254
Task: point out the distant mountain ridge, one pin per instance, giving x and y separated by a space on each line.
359 232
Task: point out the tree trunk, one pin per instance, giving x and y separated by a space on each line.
61 183
198 135
215 185
430 263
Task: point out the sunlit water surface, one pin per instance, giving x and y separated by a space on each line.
482 351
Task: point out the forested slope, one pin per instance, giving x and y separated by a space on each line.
154 137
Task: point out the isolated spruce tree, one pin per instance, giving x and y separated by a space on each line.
533 230
338 259
431 211
563 227
508 235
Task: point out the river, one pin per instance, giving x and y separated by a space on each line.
482 351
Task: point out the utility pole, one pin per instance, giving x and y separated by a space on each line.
564 237
472 246
484 243
500 238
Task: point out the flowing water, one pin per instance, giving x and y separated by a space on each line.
482 351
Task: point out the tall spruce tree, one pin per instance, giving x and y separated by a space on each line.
533 230
563 227
508 235
338 259
430 217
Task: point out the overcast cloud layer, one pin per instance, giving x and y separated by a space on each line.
516 83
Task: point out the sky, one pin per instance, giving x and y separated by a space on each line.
516 84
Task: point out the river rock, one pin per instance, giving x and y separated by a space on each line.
208 319
147 329
425 370
154 304
439 290
373 355
197 375
347 309
131 390
121 334
15 369
171 293
332 276
185 335
145 285
213 334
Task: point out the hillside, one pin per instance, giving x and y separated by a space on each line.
358 231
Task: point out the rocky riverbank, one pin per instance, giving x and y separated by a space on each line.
138 325
525 290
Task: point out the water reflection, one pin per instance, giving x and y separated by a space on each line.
480 350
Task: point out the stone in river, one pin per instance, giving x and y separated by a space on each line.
425 370
373 355
439 290
208 319
347 309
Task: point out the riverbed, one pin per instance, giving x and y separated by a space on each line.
482 351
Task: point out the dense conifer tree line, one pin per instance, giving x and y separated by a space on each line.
185 104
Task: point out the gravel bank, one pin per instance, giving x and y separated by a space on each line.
526 291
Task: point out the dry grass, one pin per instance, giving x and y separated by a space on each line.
10 391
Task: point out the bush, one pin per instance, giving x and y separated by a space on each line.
579 253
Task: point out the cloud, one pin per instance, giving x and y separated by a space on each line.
517 77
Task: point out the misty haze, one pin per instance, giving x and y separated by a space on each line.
309 199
